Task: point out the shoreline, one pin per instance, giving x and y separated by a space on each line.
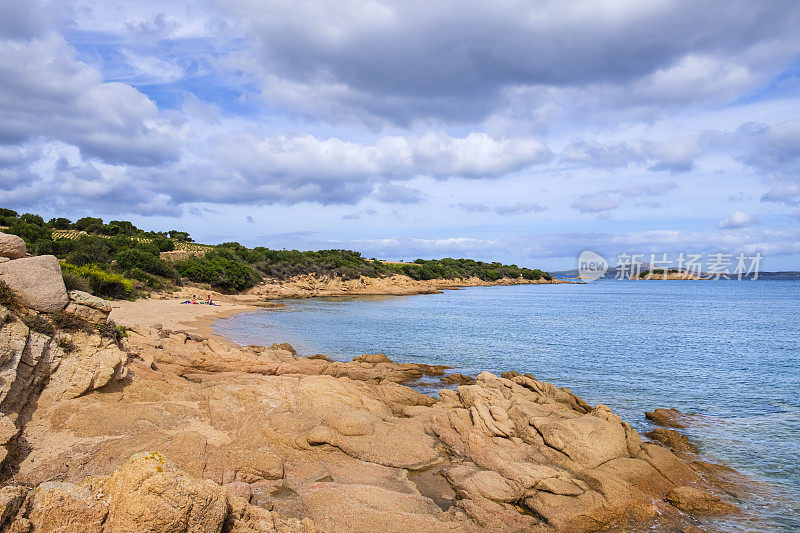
200 318
321 445
308 286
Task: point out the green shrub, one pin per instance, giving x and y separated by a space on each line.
60 223
163 244
40 324
67 322
30 218
43 247
30 233
181 236
149 248
61 247
6 296
74 282
89 224
88 249
122 227
140 259
102 283
151 281
218 270
120 242
109 330
67 345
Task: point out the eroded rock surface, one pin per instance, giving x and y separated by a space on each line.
175 430
146 493
37 370
88 307
281 442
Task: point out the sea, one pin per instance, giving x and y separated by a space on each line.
727 351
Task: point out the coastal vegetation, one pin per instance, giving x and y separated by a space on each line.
119 260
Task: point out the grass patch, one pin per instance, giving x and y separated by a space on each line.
112 331
7 298
67 345
67 322
40 324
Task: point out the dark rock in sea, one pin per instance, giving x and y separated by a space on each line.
461 379
373 358
698 501
285 346
666 417
672 438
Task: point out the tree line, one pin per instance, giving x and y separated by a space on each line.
119 260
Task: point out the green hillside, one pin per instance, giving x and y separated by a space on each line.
118 260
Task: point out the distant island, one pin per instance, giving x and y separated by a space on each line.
669 274
672 274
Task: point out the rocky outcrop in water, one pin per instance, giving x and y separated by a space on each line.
671 418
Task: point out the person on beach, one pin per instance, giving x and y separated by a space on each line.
194 299
208 300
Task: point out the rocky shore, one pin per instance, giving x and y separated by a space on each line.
309 286
163 427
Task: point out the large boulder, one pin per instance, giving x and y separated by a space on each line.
36 282
11 246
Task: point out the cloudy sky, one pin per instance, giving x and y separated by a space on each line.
523 131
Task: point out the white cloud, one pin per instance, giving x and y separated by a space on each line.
737 219
596 203
674 155
457 61
47 93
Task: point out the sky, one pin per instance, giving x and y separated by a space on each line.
518 131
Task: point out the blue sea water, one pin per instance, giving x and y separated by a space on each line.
727 350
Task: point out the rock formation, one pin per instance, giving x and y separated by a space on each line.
38 369
666 417
171 430
88 307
